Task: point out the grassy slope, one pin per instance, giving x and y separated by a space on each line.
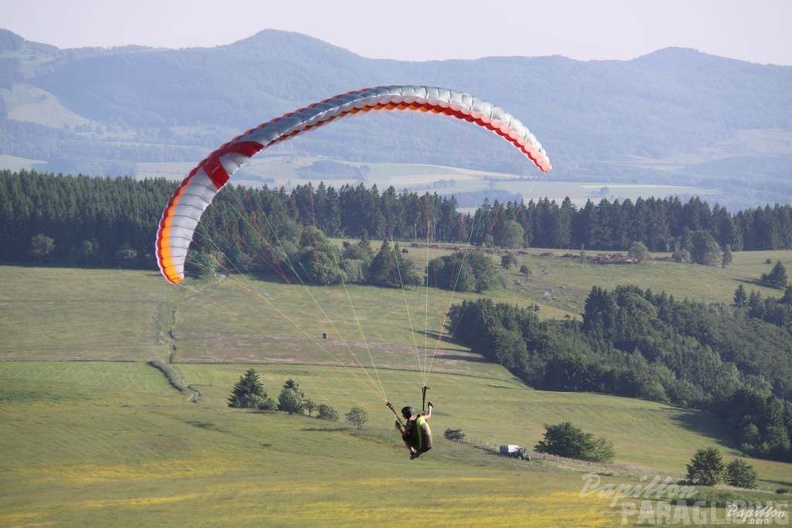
106 444
110 442
563 283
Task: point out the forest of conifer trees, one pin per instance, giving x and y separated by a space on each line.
103 222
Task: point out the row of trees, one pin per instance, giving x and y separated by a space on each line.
707 468
88 221
249 393
733 360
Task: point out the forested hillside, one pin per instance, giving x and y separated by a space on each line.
734 360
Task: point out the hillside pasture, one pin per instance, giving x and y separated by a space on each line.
94 435
74 314
108 444
558 278
34 105
112 443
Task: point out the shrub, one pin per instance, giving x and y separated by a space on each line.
508 261
455 435
327 412
357 417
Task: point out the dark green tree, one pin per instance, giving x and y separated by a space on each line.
740 297
464 271
704 249
248 393
741 474
391 269
291 399
566 440
508 261
787 297
777 278
508 347
706 467
318 260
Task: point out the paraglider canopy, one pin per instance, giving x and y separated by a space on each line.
184 210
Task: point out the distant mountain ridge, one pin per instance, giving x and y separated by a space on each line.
675 116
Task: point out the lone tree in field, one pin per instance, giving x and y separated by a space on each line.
706 467
509 234
704 249
566 440
248 393
357 417
638 252
777 278
741 474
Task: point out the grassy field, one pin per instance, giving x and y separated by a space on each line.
34 105
92 435
564 283
110 444
276 170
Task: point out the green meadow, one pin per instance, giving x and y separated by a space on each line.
93 435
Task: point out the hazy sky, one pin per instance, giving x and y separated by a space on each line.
751 30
